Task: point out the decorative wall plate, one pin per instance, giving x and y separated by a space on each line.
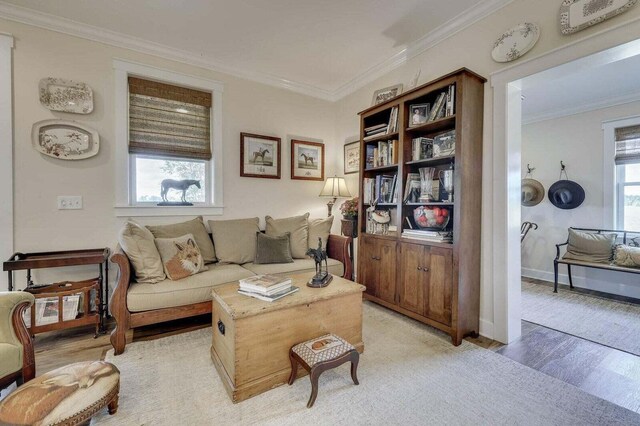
576 15
59 94
514 43
65 139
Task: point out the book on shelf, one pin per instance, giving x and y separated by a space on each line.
438 104
393 121
451 100
375 134
375 128
444 145
421 148
265 284
436 236
384 153
413 182
385 188
272 297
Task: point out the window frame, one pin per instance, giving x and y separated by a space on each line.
614 175
126 205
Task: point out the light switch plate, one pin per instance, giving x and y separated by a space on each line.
69 202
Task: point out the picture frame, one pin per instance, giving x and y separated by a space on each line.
307 160
383 95
418 114
352 157
260 156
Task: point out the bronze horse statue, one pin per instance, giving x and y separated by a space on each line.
307 159
260 153
180 185
318 255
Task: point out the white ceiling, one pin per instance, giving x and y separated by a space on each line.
592 88
315 46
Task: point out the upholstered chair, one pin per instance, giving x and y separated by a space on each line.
17 360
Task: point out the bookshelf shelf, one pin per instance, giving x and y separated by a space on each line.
436 282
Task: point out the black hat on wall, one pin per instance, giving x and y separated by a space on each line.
566 194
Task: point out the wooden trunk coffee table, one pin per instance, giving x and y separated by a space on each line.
252 338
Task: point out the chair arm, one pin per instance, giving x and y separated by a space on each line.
558 249
338 248
12 305
118 302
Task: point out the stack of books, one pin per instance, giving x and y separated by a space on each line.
380 190
384 154
267 287
373 132
436 236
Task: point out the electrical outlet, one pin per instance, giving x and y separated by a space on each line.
69 202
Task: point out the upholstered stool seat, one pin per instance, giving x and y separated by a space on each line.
69 395
321 354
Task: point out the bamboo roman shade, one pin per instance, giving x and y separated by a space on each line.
628 144
168 120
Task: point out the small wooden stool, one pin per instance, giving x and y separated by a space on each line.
69 395
321 354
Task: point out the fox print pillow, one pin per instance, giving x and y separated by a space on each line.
180 256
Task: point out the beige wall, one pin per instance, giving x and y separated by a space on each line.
471 48
247 106
578 141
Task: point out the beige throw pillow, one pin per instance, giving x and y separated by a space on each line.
235 240
590 247
319 228
627 256
181 256
194 227
273 249
298 226
137 243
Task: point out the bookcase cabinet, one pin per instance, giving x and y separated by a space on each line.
432 277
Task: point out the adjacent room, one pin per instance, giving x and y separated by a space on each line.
328 212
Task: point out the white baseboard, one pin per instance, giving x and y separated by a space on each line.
620 283
486 328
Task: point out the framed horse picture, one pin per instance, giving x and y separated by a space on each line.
307 160
259 156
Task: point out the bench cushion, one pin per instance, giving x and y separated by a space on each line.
322 349
299 265
590 247
187 291
599 265
67 395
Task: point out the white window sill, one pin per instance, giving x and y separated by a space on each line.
146 211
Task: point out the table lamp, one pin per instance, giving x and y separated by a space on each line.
335 187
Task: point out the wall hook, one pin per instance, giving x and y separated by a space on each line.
530 169
563 170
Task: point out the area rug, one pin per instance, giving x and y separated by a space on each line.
409 374
608 322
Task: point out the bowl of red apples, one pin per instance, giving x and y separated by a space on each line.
431 218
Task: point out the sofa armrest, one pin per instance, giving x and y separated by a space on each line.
118 302
338 248
13 330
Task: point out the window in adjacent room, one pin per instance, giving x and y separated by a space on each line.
169 138
627 159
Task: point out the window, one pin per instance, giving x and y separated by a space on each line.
168 126
169 138
627 160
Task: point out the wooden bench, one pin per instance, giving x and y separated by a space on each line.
628 238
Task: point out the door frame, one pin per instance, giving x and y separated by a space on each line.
6 150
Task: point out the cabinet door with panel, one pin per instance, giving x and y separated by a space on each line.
413 277
368 271
440 284
387 270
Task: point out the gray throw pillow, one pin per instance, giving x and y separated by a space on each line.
590 247
273 249
298 226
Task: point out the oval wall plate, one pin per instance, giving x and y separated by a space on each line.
59 94
65 139
516 42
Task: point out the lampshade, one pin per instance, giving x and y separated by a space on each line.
335 187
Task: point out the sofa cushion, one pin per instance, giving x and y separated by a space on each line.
235 239
298 266
627 256
180 256
10 359
298 226
273 249
138 244
187 291
196 228
319 228
590 247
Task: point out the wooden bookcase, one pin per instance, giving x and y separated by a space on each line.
437 283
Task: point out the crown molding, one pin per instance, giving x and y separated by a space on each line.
429 40
101 35
582 108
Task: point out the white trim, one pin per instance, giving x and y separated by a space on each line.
124 204
486 328
582 108
101 35
6 151
597 49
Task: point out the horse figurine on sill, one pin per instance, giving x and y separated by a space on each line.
180 185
